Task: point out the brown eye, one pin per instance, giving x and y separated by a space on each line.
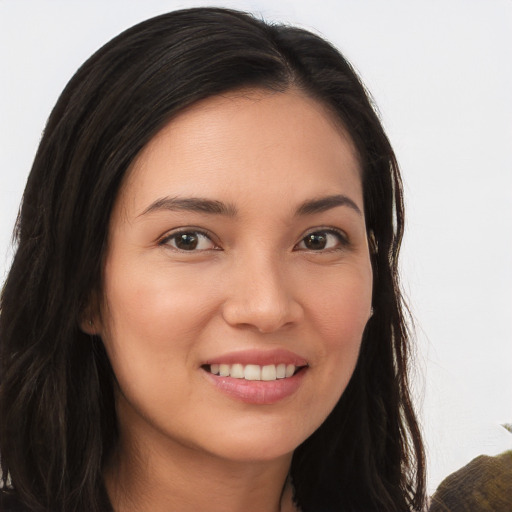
315 241
321 240
189 241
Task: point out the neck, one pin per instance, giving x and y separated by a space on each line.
176 477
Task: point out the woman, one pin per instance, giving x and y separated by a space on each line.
203 311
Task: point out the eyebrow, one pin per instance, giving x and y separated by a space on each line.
191 204
323 204
211 206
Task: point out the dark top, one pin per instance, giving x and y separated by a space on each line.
10 502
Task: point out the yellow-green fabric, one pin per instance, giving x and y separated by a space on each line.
485 484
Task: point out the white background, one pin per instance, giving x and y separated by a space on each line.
441 74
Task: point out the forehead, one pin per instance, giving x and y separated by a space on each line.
250 144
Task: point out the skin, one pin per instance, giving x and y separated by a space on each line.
253 283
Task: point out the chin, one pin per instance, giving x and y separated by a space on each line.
261 443
256 452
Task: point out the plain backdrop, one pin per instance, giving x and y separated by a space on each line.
441 74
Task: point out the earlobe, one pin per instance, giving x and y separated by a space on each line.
90 319
87 326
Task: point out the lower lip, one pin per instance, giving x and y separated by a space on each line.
257 391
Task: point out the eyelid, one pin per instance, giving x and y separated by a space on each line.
164 239
342 236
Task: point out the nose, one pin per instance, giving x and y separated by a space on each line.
261 296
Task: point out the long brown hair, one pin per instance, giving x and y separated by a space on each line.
57 411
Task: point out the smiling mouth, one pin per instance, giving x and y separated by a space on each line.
270 372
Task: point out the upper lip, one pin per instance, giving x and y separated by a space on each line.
259 357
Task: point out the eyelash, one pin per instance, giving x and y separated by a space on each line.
165 241
340 235
342 239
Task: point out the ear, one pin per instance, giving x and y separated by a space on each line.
90 318
88 326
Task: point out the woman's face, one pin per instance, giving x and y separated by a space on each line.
237 282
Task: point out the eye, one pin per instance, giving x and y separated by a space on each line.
189 241
322 240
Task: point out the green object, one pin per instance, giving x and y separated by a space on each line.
485 484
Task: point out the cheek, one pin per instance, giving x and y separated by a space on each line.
156 305
339 309
153 320
341 303
152 323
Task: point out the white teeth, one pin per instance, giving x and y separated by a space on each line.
253 371
269 372
237 371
